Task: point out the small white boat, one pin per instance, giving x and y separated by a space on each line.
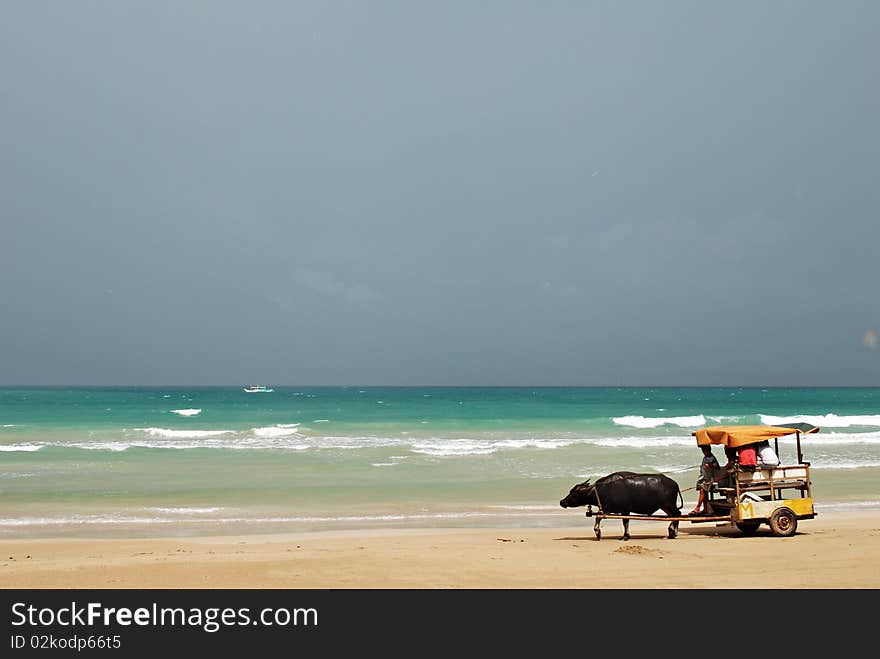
258 389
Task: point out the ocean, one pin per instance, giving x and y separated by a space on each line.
184 461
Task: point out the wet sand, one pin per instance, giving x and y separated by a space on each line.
834 550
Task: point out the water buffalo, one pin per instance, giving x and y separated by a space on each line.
628 493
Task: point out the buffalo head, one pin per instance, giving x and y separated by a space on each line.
582 494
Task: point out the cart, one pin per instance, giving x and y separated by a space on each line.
778 495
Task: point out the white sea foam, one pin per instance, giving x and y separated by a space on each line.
460 447
99 446
295 438
843 464
178 434
236 444
240 445
726 419
191 412
656 422
278 430
643 442
824 420
848 505
838 438
133 519
186 510
78 519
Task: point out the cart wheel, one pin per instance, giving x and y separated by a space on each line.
783 522
748 528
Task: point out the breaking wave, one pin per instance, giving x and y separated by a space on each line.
20 447
279 430
293 437
824 420
192 412
656 422
179 434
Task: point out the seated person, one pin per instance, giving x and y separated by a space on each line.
728 469
710 473
766 455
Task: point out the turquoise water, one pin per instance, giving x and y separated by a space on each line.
178 460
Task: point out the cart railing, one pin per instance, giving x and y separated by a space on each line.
772 480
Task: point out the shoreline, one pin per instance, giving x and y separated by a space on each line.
529 516
833 551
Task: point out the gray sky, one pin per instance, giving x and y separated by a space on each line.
495 193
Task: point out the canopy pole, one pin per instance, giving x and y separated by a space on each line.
800 455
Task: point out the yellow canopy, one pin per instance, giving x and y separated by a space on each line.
735 436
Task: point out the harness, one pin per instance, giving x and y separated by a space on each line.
598 501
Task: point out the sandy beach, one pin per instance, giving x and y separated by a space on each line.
833 551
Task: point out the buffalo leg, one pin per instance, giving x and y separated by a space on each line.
596 528
673 525
625 529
